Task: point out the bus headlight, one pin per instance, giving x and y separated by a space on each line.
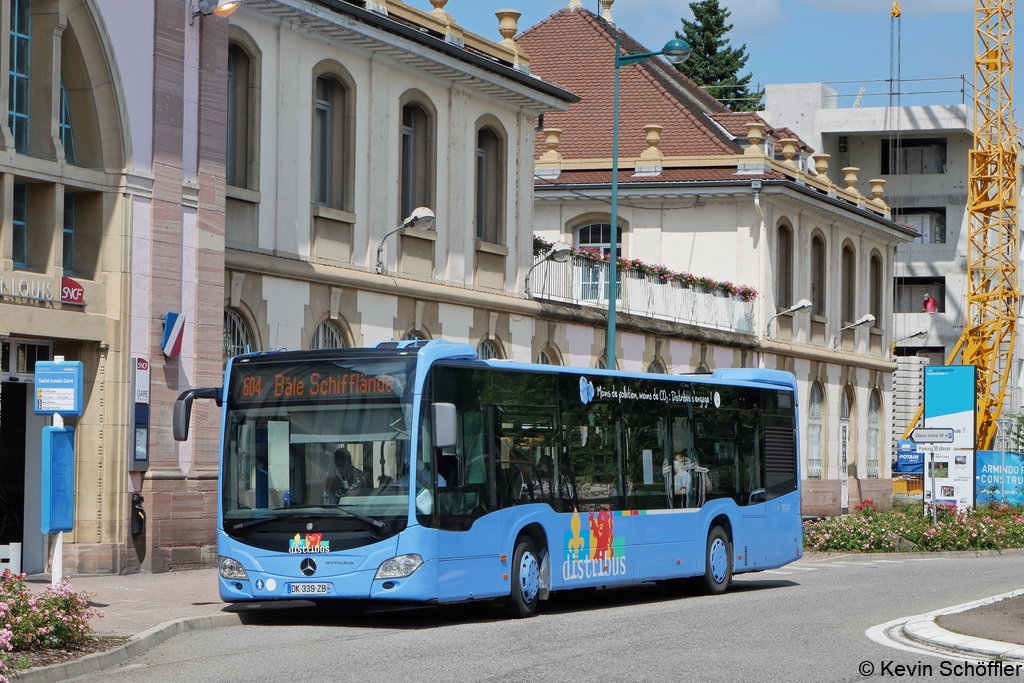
232 569
399 567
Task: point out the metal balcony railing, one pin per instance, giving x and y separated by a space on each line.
584 282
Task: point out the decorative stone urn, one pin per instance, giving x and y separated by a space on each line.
552 138
821 165
653 140
877 189
850 178
755 133
508 25
789 151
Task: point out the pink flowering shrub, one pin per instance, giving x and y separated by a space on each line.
57 617
994 527
663 274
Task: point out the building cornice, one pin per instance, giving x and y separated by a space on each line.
418 50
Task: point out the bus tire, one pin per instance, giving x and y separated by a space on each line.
717 562
522 602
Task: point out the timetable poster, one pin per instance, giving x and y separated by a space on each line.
949 403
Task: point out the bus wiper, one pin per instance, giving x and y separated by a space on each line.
344 508
253 522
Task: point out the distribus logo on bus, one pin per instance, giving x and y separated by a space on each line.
413 472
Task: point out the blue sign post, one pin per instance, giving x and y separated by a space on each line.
58 388
58 392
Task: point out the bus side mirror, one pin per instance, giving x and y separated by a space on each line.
183 409
445 425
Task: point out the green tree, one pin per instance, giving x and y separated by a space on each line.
714 63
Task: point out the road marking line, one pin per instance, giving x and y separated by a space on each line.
804 569
774 571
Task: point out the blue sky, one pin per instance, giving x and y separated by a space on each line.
794 41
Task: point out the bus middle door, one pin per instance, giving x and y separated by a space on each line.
467 541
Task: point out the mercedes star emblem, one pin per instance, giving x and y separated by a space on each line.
308 567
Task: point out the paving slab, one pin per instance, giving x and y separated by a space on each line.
134 603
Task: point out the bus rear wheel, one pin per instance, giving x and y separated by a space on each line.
718 562
522 602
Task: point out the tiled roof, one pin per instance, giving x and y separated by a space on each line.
668 175
651 92
735 122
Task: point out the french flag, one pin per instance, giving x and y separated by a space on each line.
174 328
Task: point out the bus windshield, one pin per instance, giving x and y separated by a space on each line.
324 438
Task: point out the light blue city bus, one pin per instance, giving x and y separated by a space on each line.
414 472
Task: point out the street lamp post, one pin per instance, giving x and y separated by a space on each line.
865 319
799 306
675 51
915 335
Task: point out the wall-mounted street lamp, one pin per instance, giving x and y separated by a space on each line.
675 51
798 306
421 217
222 8
559 253
915 335
865 319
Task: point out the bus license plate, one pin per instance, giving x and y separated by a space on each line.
309 588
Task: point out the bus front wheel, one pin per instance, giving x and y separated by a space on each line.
522 602
718 562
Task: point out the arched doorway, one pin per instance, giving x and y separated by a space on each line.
846 402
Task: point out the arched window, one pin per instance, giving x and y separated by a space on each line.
657 367
238 339
549 356
415 335
488 349
598 236
332 184
238 116
490 186
327 335
815 424
417 165
818 275
784 267
874 433
848 285
67 133
845 402
875 289
18 97
601 364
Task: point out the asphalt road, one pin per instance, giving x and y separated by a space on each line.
805 622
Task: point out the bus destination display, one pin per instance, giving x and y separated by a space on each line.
306 384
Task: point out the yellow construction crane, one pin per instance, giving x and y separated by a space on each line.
993 298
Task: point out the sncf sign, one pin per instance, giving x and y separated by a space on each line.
25 287
71 292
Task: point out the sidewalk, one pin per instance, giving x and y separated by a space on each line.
133 603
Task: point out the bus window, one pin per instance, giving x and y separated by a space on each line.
647 459
689 481
590 447
525 469
728 443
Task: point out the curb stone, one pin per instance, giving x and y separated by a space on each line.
914 555
925 631
133 648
